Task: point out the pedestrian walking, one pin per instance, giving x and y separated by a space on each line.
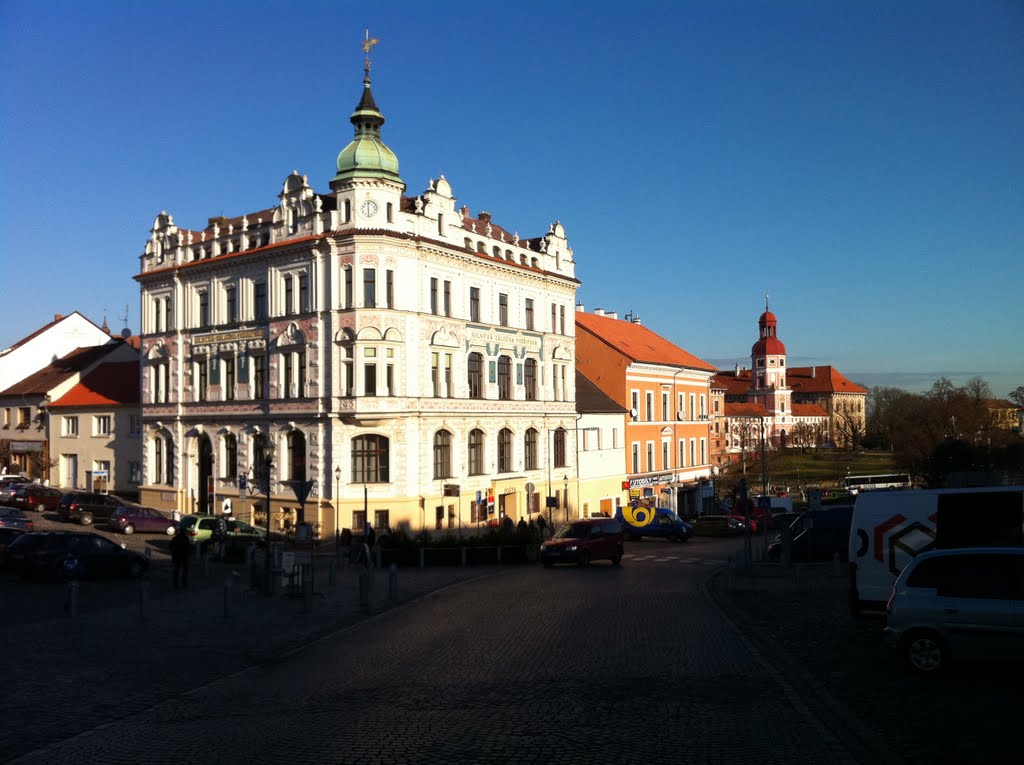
181 550
371 537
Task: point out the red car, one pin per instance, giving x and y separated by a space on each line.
754 524
33 496
583 541
132 518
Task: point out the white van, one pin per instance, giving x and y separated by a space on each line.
891 528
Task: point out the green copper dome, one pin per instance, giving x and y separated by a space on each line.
367 156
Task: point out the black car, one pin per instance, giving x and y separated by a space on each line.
75 554
6 537
85 507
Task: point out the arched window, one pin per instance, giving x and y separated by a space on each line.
476 452
530 449
530 379
559 456
476 375
370 459
256 459
504 377
163 459
230 456
442 454
504 450
297 456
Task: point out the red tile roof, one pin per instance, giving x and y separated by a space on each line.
108 384
809 410
745 410
49 377
825 379
637 342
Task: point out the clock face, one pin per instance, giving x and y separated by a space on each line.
368 208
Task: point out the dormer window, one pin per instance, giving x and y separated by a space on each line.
760 362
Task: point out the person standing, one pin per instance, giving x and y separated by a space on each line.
181 552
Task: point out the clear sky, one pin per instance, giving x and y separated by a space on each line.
862 162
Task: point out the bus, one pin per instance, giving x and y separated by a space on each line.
859 483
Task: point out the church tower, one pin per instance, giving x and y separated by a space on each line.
768 365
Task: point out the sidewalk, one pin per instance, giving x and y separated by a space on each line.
65 675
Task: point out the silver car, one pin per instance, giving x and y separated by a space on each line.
966 602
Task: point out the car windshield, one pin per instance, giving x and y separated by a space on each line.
573 531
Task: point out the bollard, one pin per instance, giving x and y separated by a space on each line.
71 601
227 596
143 597
393 582
331 573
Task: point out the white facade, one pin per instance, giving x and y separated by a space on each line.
386 345
63 335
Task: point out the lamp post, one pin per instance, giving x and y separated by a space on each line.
337 496
268 462
565 496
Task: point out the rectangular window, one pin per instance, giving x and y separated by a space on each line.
348 288
693 451
289 296
554 318
382 519
168 314
448 391
70 427
503 309
358 518
664 456
435 372
101 425
636 458
204 309
229 378
201 380
389 378
231 305
289 375
561 319
369 379
703 451
259 300
135 472
682 452
369 288
664 406
703 407
303 293
650 457
635 405
433 295
389 288
693 407
650 406
591 439
447 298
529 313
300 373
134 425
259 375
474 304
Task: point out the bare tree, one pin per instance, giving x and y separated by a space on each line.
802 435
1017 395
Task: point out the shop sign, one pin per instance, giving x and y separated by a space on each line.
651 480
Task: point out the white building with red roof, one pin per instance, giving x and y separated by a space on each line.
392 348
784 405
47 344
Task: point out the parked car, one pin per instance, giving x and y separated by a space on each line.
963 602
717 526
45 553
85 507
9 488
814 545
201 530
754 525
6 537
13 518
34 496
583 541
132 518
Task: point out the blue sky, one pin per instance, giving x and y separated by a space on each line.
861 162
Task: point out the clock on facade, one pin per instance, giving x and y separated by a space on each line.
368 208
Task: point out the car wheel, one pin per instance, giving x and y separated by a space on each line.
135 569
170 531
925 652
85 519
129 529
40 508
584 558
617 559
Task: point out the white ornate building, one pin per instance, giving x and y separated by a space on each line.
387 345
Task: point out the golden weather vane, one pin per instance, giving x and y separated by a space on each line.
368 43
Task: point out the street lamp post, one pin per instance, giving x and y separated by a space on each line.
337 496
268 461
565 496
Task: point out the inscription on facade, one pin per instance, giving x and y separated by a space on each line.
227 337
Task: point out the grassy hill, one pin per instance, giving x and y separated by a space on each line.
825 468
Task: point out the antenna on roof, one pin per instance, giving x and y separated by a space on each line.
126 332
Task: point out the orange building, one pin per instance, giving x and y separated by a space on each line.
667 392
